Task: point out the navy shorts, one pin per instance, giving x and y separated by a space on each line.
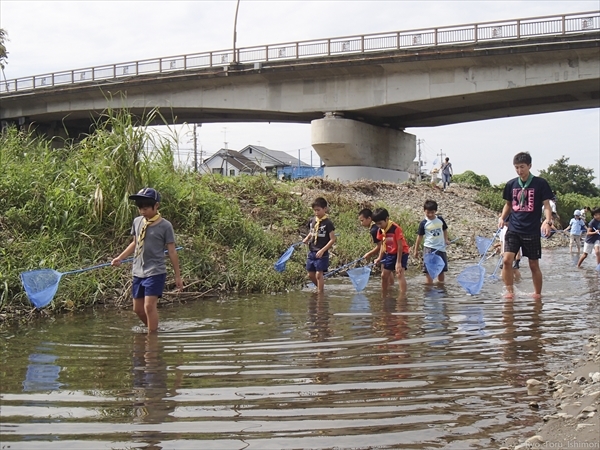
314 264
152 286
442 254
389 261
530 244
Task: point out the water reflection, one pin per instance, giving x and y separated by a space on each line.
151 403
522 344
42 374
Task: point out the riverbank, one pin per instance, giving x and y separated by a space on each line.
575 422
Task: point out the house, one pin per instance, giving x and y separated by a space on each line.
230 163
272 161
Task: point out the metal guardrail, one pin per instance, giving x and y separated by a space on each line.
410 39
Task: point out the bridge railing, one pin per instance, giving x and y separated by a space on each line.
565 24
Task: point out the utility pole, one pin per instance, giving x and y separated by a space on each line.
195 150
419 142
237 7
441 155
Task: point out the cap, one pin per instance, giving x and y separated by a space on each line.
576 212
147 192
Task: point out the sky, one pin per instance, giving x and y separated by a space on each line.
47 36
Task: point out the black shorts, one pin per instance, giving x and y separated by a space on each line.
530 244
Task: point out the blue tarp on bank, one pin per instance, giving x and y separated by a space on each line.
295 172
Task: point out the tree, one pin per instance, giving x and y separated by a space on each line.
3 52
470 177
568 178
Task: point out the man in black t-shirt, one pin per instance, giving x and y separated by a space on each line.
524 197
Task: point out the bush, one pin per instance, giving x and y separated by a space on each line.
566 204
470 177
491 198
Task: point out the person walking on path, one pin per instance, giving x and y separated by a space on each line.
320 239
152 234
524 197
592 238
433 232
394 251
447 173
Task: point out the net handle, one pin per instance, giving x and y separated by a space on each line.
489 246
328 274
445 246
128 260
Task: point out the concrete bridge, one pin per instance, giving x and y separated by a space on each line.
358 92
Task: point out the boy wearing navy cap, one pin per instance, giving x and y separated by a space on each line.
152 234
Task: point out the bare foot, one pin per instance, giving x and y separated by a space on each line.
536 296
508 295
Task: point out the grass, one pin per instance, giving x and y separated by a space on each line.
67 208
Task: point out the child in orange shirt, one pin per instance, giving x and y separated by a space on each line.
394 250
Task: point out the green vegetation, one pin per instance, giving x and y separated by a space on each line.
68 208
470 177
3 52
567 178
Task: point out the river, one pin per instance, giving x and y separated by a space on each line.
438 369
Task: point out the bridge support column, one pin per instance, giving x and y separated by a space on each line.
353 150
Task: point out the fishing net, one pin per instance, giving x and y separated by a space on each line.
280 264
482 244
359 277
40 286
471 279
434 264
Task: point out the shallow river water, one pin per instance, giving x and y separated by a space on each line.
439 369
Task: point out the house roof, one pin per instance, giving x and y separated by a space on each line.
279 157
237 160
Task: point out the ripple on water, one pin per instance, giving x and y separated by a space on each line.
437 369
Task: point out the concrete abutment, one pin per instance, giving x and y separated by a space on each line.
353 150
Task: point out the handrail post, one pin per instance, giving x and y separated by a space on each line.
137 68
476 30
93 74
184 62
210 61
72 77
563 23
435 36
159 65
297 50
114 71
362 43
328 47
398 40
519 29
266 53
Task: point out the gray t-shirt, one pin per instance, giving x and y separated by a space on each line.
152 260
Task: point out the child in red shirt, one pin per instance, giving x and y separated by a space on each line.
394 250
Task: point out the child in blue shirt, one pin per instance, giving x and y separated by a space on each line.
434 231
576 228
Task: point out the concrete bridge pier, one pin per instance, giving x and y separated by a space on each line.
353 150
